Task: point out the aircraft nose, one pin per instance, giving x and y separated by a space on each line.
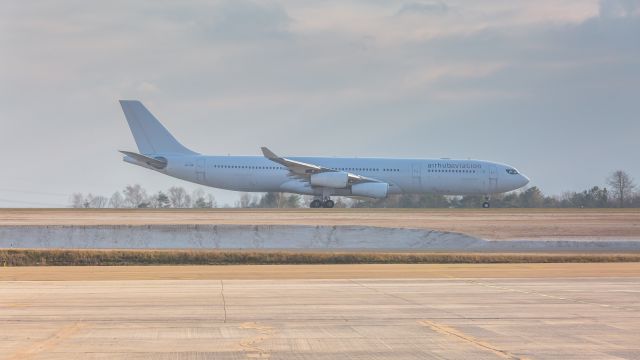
524 180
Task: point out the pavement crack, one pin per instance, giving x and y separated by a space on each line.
446 330
224 301
384 293
49 343
410 302
252 345
541 294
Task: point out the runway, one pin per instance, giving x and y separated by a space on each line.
532 311
490 224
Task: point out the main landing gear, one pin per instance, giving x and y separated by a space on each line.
486 204
317 203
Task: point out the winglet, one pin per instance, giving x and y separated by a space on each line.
269 154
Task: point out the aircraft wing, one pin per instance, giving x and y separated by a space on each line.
304 170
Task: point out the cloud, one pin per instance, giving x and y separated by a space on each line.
424 8
619 8
235 20
147 88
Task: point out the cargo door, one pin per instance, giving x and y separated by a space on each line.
200 171
416 176
493 179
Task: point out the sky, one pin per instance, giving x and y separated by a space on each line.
550 87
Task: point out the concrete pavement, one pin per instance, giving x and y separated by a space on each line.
436 318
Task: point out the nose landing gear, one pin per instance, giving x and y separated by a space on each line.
486 204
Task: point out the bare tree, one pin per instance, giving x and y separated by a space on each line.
201 200
160 200
135 196
343 202
116 201
532 198
269 200
87 200
97 202
197 199
77 200
306 200
211 200
245 200
179 198
622 186
290 200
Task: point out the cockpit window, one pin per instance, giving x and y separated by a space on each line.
512 171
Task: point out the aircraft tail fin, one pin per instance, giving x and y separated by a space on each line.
150 135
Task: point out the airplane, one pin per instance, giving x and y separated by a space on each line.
321 177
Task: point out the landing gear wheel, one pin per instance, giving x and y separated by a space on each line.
328 204
486 205
315 204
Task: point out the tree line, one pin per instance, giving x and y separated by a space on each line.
135 196
621 192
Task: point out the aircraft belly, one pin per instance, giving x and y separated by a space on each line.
453 185
470 186
250 181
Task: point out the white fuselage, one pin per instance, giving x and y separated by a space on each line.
404 176
321 177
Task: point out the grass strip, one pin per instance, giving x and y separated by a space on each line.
29 257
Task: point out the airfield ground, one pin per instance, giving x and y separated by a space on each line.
498 224
532 311
301 272
363 311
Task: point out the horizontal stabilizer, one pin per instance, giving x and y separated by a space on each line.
158 162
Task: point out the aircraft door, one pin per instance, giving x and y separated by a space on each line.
200 170
416 176
493 179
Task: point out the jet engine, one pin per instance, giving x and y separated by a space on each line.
376 190
336 180
297 187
